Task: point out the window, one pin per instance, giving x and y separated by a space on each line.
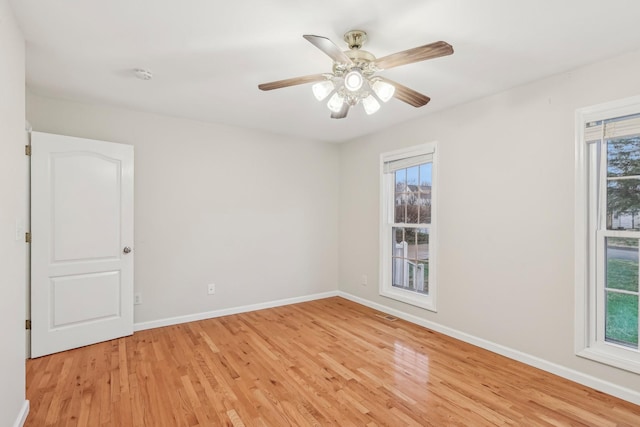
407 229
607 233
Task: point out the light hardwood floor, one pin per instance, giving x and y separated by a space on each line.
326 362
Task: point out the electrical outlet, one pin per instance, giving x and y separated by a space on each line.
211 289
137 298
365 280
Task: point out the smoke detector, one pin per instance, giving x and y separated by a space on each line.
143 74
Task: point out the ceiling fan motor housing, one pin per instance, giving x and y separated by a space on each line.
355 38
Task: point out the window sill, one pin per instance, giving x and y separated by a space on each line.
409 297
613 357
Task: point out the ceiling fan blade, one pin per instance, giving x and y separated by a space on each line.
329 47
292 82
342 113
417 54
407 95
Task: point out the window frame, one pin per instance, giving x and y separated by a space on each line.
590 240
387 201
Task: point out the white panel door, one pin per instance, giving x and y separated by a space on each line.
82 240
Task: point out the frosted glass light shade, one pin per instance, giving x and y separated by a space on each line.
353 80
335 103
322 89
370 104
384 90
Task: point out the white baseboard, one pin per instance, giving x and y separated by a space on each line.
228 311
22 416
570 374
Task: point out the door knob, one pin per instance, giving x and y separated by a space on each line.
126 249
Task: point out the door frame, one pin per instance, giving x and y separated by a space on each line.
27 228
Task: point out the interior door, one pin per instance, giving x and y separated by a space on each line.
81 244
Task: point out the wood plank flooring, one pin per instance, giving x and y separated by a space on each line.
329 362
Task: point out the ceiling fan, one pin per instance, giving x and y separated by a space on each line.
354 78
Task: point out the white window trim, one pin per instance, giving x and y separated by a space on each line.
386 221
586 252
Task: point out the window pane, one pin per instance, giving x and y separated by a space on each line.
400 197
425 174
418 239
621 324
623 156
413 195
425 212
413 175
424 267
401 179
425 193
621 317
422 260
622 264
399 273
623 204
412 240
410 255
413 207
400 209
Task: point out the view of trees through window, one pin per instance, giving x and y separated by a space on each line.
623 183
623 209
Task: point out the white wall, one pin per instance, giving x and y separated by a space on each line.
12 208
254 213
506 230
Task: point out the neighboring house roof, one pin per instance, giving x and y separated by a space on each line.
412 194
412 188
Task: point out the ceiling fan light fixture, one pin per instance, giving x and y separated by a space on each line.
353 80
370 104
322 89
335 102
383 90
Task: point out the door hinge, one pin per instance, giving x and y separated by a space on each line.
27 237
28 324
27 150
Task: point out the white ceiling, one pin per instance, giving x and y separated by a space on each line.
208 57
